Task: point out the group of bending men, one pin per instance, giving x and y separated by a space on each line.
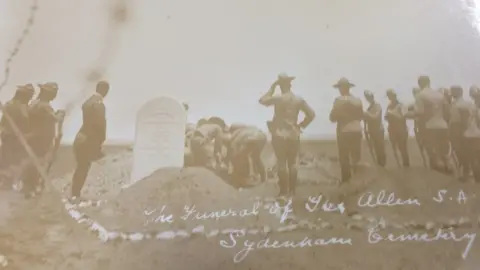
237 148
447 128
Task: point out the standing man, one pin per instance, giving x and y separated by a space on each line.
90 138
286 130
13 153
347 112
43 124
397 127
374 128
472 132
459 109
430 106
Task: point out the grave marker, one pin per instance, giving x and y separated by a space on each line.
159 137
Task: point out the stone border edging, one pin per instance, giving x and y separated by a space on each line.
359 223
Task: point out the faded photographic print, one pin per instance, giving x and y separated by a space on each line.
247 135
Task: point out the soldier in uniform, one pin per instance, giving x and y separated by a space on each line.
430 106
459 109
374 128
90 138
207 131
12 151
43 121
245 146
286 130
418 125
472 132
397 127
347 112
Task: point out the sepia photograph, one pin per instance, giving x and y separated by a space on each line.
248 135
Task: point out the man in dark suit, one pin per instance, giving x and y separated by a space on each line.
90 138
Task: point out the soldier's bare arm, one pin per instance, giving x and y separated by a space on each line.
268 99
335 112
373 114
309 114
419 107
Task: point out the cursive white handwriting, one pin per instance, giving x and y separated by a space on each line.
268 243
283 210
381 199
160 216
374 237
192 213
313 204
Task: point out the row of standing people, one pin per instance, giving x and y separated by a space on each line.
37 122
41 127
444 124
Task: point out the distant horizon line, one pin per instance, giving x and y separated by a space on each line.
327 137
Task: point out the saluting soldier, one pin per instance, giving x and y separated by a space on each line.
347 112
43 123
459 109
397 127
374 128
88 143
430 106
286 130
13 152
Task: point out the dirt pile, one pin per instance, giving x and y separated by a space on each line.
105 178
217 205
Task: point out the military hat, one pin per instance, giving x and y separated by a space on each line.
343 82
49 86
282 77
26 88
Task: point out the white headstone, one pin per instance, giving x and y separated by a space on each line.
159 137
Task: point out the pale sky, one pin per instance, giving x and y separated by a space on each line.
220 56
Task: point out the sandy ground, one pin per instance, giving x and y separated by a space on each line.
38 234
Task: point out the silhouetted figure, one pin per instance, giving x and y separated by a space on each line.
430 106
397 128
12 151
459 109
90 138
374 128
43 123
286 130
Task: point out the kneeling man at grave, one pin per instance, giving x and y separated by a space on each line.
244 154
206 132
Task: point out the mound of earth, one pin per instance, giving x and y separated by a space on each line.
217 204
105 178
